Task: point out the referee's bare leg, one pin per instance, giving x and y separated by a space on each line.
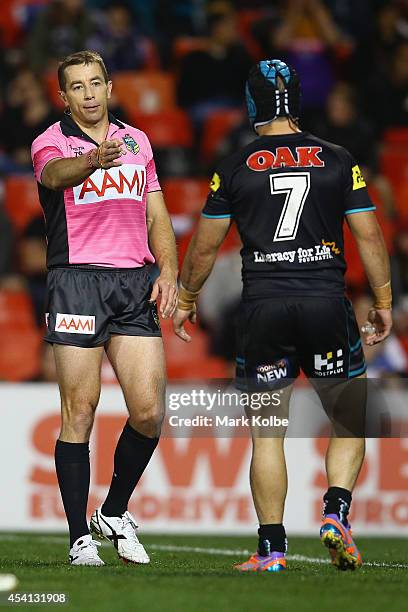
79 379
139 365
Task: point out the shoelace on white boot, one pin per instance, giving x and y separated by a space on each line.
129 527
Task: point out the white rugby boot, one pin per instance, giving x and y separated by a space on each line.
85 552
121 532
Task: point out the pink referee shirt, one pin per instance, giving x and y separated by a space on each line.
102 221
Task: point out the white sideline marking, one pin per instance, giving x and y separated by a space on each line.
226 552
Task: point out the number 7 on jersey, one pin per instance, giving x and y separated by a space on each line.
296 185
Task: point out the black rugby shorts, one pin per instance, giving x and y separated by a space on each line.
86 305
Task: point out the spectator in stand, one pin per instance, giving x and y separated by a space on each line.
118 40
215 78
26 115
305 35
399 267
32 255
6 246
61 28
344 125
374 50
386 93
219 305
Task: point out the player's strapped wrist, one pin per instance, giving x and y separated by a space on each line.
383 297
187 299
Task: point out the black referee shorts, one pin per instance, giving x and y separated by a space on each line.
277 337
86 305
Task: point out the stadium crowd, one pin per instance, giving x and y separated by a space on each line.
178 70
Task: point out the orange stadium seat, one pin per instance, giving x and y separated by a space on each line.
169 128
152 56
21 200
19 337
185 195
183 45
144 92
401 201
246 20
394 164
190 360
216 127
396 136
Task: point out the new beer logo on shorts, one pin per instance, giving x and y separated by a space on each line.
125 182
326 365
305 157
75 324
273 371
131 144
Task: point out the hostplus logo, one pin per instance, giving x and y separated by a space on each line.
327 365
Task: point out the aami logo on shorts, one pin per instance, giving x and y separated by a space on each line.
273 371
125 182
75 324
326 365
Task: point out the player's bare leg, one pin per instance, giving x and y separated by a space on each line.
344 458
269 483
139 365
78 371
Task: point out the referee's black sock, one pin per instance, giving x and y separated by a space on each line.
73 473
132 454
272 538
337 501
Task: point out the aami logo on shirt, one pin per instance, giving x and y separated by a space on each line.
125 182
75 324
305 157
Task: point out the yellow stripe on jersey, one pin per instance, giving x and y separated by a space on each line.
358 180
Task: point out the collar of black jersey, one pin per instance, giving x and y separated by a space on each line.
70 128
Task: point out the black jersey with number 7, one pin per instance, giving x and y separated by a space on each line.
289 195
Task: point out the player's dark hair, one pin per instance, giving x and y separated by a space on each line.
76 59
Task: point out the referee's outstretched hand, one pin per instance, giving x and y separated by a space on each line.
109 151
179 319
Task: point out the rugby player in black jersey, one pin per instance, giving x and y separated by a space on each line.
289 193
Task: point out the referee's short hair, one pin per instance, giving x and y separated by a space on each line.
75 59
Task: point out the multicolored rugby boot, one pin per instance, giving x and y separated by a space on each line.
275 562
338 539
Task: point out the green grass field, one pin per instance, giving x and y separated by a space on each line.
195 573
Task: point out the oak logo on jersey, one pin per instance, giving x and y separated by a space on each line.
131 144
358 180
125 182
215 182
75 324
327 365
305 157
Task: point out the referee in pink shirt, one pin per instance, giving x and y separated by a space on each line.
106 221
